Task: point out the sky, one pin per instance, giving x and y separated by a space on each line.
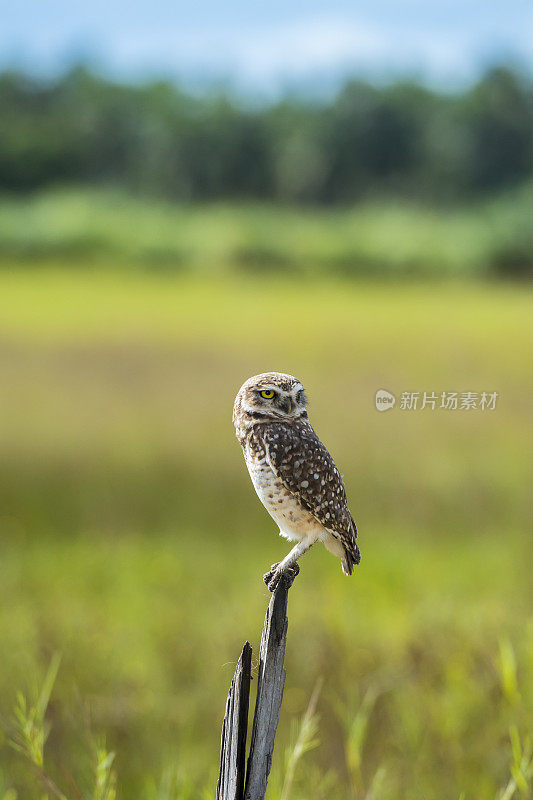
267 46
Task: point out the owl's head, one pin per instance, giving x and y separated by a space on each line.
270 396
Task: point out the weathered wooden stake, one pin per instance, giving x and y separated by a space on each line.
230 785
270 685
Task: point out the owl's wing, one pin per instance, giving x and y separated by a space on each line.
307 470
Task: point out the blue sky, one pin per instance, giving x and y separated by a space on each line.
269 45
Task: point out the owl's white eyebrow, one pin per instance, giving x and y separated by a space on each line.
294 390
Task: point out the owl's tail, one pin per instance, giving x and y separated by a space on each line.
352 554
350 559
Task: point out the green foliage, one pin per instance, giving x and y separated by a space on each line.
29 736
401 140
508 672
383 240
521 767
31 730
105 783
356 730
304 738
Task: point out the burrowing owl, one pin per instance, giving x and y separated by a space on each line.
293 474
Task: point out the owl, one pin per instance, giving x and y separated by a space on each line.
292 472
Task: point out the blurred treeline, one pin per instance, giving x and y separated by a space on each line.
369 141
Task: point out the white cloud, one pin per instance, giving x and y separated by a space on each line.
310 46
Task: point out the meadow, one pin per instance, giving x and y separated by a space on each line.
133 544
383 237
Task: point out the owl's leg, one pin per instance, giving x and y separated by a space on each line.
288 566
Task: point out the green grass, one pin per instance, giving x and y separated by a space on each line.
133 545
388 239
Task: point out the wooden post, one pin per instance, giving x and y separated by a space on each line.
270 685
230 785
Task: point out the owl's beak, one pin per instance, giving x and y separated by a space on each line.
287 405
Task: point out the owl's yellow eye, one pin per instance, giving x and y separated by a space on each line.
268 394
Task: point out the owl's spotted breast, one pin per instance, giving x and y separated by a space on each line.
294 521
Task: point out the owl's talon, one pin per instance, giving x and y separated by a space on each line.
273 577
291 574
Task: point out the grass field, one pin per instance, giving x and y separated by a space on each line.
387 239
133 545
